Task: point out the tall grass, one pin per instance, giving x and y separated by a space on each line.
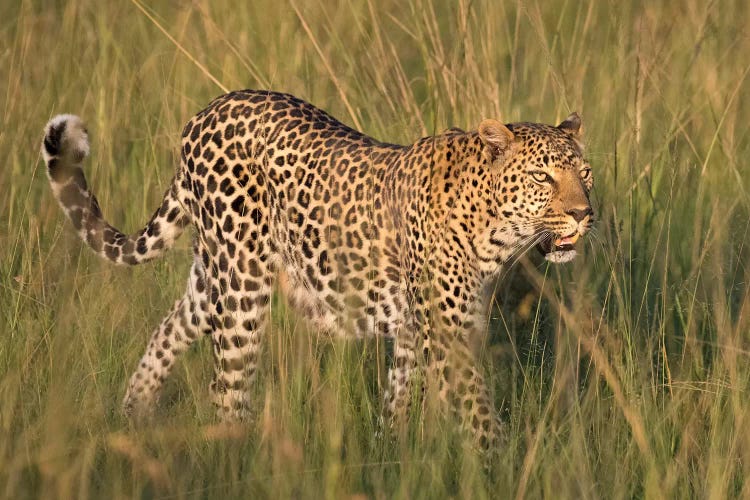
623 374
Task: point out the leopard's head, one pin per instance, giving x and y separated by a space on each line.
543 182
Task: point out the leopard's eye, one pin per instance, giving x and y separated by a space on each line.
541 177
585 173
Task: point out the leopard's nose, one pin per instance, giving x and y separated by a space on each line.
579 213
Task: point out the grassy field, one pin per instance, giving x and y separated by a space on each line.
624 374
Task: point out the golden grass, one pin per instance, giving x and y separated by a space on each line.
626 374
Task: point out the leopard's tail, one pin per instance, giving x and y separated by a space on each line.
64 148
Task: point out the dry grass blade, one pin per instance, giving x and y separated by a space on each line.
600 361
153 468
329 69
181 48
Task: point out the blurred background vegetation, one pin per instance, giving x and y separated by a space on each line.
624 374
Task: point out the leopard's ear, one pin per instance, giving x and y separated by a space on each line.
572 126
496 137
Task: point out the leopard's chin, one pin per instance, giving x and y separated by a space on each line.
558 250
561 256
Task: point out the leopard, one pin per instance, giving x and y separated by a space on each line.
367 239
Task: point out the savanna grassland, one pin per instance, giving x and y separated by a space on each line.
623 374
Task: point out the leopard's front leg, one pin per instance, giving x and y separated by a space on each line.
455 377
398 394
438 345
454 313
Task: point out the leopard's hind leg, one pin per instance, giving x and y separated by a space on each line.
184 324
239 297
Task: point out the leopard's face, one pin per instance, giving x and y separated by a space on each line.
543 183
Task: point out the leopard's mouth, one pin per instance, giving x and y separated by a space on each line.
559 249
